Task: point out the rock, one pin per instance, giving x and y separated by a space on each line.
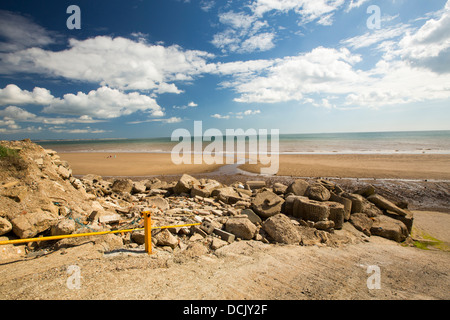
138 187
158 202
311 236
317 192
165 238
138 237
17 193
205 190
344 201
5 226
324 225
267 204
385 204
122 186
109 217
65 226
224 235
252 185
252 216
227 195
310 209
298 187
337 213
279 188
408 220
64 172
217 243
280 228
241 227
288 206
30 224
185 184
389 228
362 223
366 191
362 205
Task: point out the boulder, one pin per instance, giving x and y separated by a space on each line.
389 228
344 201
205 190
361 204
267 204
298 187
279 188
158 202
324 225
317 192
227 195
252 216
5 226
185 184
362 223
366 191
288 206
31 223
280 228
252 185
337 213
138 187
65 226
165 238
122 186
241 227
310 209
385 204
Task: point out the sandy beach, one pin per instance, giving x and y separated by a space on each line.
395 166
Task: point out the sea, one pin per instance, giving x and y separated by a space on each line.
410 142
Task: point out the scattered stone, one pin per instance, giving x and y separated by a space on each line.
252 185
224 235
5 226
165 238
389 228
298 187
217 243
65 226
324 225
267 204
241 227
385 204
29 224
280 228
252 216
185 184
362 223
310 209
317 192
122 186
279 188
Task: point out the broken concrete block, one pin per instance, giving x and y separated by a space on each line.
224 235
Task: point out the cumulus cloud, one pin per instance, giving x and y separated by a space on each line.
12 94
104 103
115 62
237 115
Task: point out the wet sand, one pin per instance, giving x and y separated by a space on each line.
422 166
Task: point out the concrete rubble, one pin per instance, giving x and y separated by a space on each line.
45 199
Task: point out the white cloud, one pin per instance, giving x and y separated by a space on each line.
355 4
116 62
308 10
12 94
237 115
104 103
167 120
19 33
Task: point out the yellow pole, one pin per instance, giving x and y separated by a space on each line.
148 231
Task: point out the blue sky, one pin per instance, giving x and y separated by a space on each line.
140 69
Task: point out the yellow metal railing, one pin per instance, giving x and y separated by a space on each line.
147 228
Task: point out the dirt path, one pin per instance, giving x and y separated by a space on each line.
242 270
